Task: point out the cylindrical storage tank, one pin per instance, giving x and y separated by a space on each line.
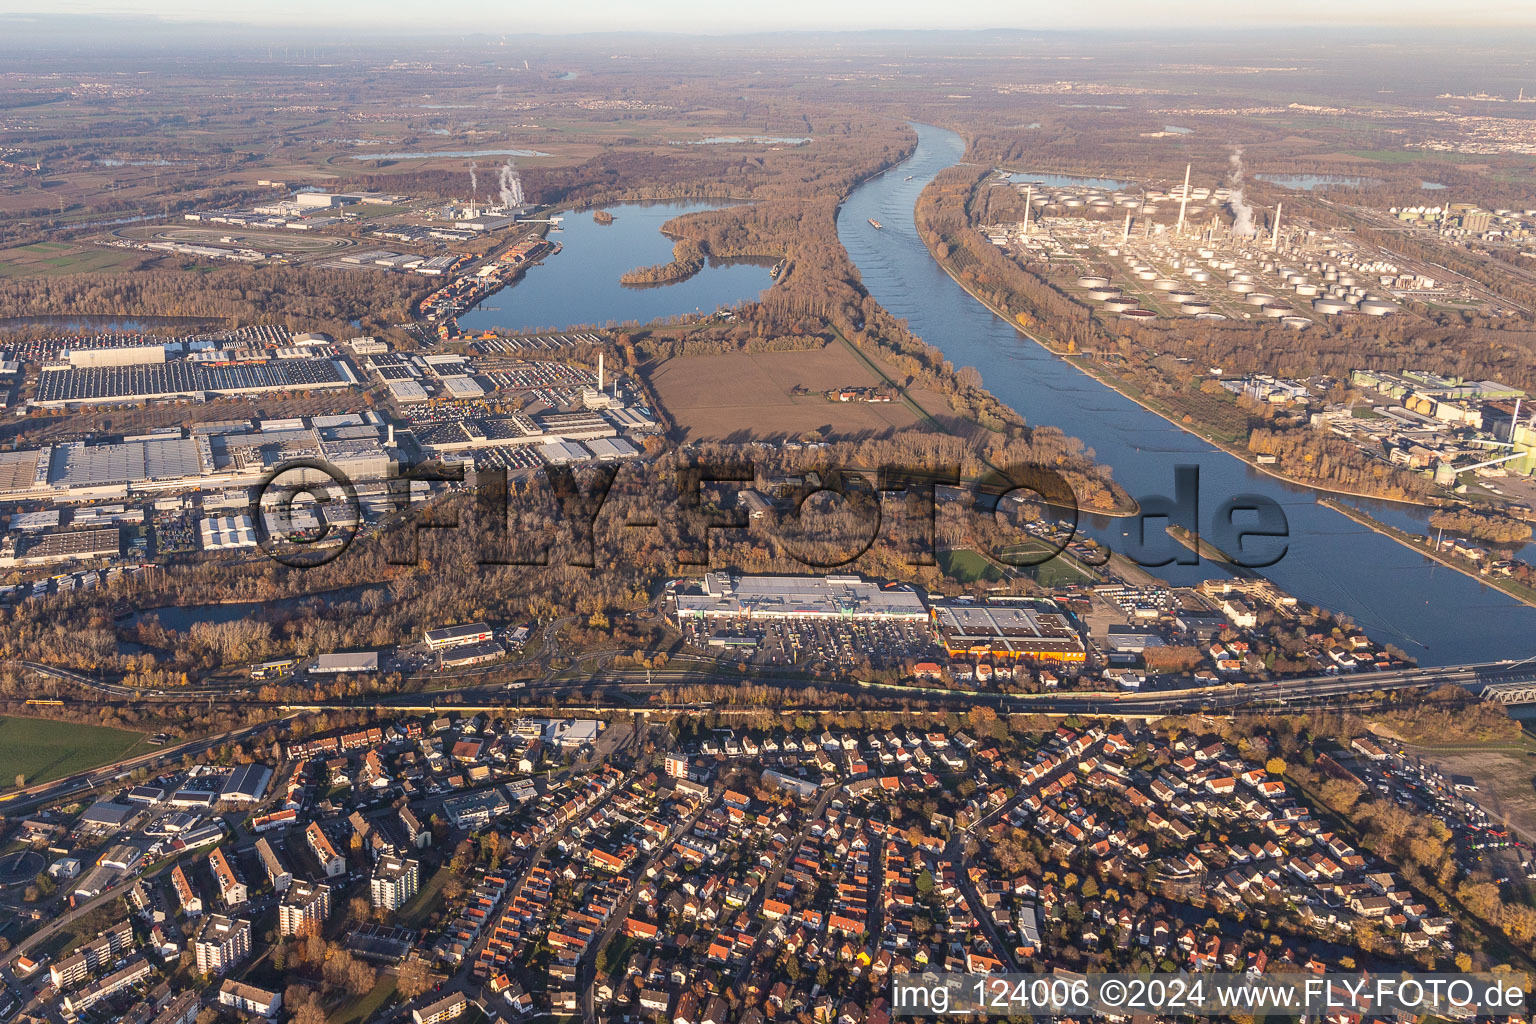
1242 277
1119 305
1092 282
1165 285
1258 298
1276 312
1072 204
1200 276
1196 307
1306 289
1240 287
1331 276
1347 280
1100 294
1377 307
1138 314
1330 306
1147 275
1296 323
1181 296
1210 316
1206 254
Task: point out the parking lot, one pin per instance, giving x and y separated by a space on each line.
842 643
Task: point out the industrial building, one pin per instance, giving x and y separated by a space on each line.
215 456
345 663
138 382
247 784
456 636
1006 631
67 546
726 597
470 654
227 533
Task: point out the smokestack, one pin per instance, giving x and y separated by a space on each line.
1183 201
391 441
1029 194
1514 421
1125 236
599 371
1274 238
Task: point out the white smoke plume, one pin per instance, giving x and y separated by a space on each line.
498 90
511 186
474 183
1242 213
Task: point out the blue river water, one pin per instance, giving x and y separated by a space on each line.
1398 596
580 285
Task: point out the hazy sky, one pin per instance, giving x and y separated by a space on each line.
714 16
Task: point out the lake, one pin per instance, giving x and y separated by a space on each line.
580 285
1311 182
1068 181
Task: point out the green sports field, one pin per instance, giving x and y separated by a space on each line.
41 749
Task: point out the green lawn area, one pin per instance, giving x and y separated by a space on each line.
618 951
1060 570
42 749
415 913
967 566
364 1006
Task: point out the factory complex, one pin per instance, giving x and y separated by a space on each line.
1145 254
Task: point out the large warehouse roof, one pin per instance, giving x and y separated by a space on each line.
849 597
1006 629
80 465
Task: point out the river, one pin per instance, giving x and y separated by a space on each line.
1432 613
580 285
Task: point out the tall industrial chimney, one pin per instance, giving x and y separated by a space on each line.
1183 201
1274 238
1029 195
391 441
599 371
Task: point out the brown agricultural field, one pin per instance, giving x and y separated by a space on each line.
712 397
